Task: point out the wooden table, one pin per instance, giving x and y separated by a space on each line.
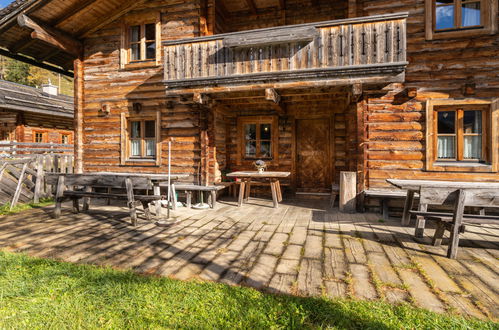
414 186
110 180
245 186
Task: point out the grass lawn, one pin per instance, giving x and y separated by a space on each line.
5 209
40 293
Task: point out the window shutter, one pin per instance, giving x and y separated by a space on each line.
494 126
123 134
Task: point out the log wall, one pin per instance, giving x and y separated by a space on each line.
438 69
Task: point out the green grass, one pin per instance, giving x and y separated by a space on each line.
40 293
5 209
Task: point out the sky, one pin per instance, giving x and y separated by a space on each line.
4 3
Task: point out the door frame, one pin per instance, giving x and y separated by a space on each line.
294 147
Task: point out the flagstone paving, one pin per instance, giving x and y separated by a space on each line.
302 248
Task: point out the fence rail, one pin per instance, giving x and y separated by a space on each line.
23 179
9 148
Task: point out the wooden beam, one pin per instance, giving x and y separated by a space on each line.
35 62
200 98
73 10
272 95
21 45
252 6
117 13
51 36
356 92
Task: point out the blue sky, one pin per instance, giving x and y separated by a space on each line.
4 3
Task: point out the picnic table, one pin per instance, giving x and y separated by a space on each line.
246 178
110 180
415 186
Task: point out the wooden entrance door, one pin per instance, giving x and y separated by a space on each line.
313 155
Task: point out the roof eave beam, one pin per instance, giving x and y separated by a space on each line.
52 36
34 62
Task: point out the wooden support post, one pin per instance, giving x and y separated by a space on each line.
420 222
131 201
86 200
19 187
59 195
39 180
157 191
348 191
457 219
409 201
78 115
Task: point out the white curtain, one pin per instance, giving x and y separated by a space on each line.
150 148
473 147
136 148
471 14
446 147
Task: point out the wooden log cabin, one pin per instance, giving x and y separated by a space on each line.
30 115
388 89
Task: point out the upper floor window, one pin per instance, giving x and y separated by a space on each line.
456 18
141 41
40 137
65 138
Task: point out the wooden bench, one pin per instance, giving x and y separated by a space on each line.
211 190
84 185
456 221
385 196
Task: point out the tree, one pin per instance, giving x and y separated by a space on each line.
17 72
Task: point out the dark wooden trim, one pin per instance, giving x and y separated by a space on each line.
383 72
37 63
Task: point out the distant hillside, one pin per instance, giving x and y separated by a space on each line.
30 75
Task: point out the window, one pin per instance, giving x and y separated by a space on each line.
141 41
257 138
140 138
454 18
462 135
40 137
65 139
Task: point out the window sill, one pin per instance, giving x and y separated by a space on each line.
149 64
442 166
462 33
141 162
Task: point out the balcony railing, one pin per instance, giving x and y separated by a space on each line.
365 47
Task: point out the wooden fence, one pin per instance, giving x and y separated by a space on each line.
27 149
23 179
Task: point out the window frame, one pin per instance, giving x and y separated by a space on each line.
490 135
45 136
69 138
488 17
241 139
125 49
126 156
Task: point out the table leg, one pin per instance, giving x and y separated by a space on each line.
213 198
86 200
131 201
157 204
420 222
274 193
248 191
173 197
242 187
188 198
279 191
409 201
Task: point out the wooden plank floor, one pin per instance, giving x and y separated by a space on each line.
301 248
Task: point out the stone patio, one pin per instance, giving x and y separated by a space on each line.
302 248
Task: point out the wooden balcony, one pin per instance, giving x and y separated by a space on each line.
359 50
